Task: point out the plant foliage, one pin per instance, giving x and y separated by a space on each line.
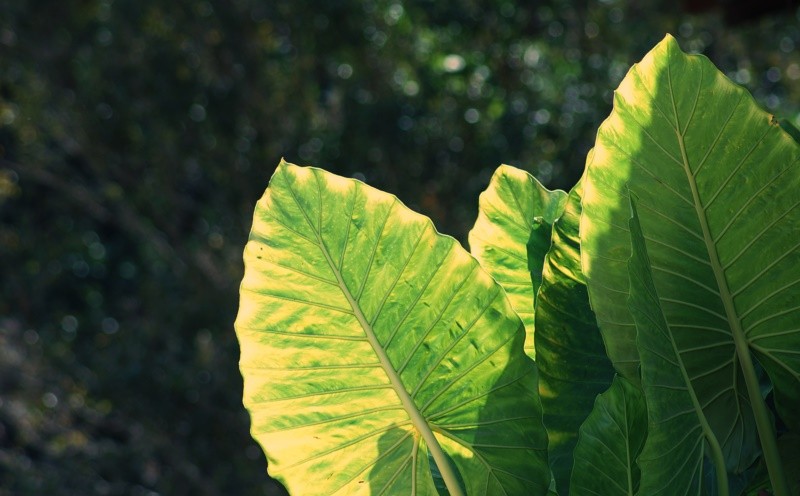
659 300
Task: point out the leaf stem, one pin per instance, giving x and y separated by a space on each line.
718 458
766 433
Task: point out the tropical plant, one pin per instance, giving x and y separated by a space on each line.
639 335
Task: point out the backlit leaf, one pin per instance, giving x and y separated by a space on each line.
512 235
680 441
716 181
610 442
369 342
573 366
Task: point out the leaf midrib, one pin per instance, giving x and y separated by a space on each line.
417 419
740 343
725 296
716 266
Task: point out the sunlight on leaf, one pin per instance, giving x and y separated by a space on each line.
512 235
369 342
715 180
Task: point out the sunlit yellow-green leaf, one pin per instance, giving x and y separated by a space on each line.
512 235
377 354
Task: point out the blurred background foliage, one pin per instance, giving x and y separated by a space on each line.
136 137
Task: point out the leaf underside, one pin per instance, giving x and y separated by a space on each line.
365 334
716 183
573 366
610 442
512 234
678 436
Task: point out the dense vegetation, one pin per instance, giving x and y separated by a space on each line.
136 136
648 344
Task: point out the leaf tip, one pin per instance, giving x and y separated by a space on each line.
668 38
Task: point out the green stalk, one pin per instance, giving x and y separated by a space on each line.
716 456
766 434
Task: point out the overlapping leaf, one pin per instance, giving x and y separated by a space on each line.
512 235
370 342
716 180
573 366
680 440
610 442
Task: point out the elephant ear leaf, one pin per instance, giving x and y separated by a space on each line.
377 356
716 181
572 362
512 235
610 442
669 465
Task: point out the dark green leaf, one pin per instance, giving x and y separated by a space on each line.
573 366
610 442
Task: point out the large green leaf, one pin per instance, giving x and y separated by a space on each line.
680 440
376 353
716 180
512 235
610 442
573 366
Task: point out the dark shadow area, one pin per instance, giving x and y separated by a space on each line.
570 355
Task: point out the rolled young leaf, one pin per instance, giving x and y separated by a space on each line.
716 180
369 342
572 362
512 235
